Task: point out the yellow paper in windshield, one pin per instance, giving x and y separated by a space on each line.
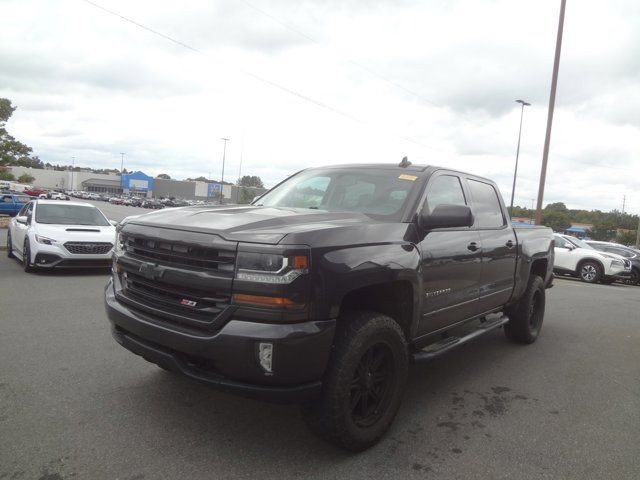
407 177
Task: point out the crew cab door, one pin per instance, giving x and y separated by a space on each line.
450 261
499 246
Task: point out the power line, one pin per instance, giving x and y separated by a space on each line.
259 78
355 63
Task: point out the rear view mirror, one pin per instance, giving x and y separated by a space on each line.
21 219
446 216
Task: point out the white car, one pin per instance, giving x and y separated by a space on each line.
577 258
47 234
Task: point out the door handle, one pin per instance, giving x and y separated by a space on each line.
473 246
510 244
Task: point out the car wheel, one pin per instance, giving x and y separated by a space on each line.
526 316
9 245
590 272
26 257
364 382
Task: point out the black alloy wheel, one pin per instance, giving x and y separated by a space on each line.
26 257
371 385
9 245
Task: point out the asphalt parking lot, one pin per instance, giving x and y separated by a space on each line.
74 404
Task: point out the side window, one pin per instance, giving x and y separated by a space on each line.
29 210
560 242
486 205
444 190
23 211
7 199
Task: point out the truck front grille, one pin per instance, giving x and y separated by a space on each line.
162 251
88 248
178 279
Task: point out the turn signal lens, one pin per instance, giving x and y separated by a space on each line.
264 301
300 262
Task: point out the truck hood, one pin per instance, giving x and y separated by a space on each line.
269 225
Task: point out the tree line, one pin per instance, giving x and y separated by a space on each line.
607 226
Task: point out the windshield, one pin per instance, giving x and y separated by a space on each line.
579 243
380 193
70 215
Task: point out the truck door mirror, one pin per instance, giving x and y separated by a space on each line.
446 216
21 219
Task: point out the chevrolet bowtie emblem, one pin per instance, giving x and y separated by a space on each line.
151 271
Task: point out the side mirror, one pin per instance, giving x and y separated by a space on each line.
21 219
113 222
446 216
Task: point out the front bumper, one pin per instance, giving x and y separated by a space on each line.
228 358
50 256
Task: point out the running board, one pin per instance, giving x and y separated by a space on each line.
436 349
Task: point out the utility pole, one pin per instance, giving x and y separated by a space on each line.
73 166
552 102
515 172
624 201
241 152
638 235
224 153
121 163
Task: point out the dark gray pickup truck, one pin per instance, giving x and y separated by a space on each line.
325 289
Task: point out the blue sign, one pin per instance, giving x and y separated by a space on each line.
214 189
137 181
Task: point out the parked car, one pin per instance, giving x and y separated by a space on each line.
11 203
577 258
326 290
116 200
629 253
47 234
153 204
58 196
34 192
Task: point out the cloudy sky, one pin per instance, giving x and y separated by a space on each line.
308 83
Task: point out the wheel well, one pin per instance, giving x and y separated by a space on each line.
598 262
539 268
394 299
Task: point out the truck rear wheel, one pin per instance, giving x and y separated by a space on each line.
525 317
364 382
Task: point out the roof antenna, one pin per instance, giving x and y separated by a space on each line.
404 163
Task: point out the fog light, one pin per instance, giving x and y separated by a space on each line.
265 355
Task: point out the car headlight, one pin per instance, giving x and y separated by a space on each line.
45 240
270 268
119 248
617 263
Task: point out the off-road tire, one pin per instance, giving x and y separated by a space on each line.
526 316
361 337
590 271
26 257
9 246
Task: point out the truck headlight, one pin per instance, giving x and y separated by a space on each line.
45 240
119 248
270 268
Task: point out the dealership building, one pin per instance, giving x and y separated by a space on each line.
135 183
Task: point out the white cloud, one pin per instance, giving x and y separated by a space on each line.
432 80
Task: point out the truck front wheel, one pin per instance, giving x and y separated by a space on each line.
364 382
525 317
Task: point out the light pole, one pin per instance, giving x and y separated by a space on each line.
224 153
552 103
121 163
515 172
73 166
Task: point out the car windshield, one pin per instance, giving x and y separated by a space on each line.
579 243
70 215
379 193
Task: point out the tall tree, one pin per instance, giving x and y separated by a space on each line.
251 181
557 221
164 176
11 150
